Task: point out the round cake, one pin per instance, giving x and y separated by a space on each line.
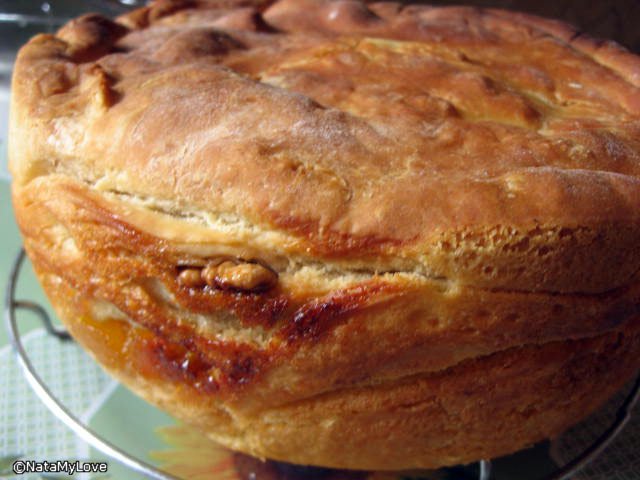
337 233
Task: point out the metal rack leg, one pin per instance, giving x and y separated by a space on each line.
485 470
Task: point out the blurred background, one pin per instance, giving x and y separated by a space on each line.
615 19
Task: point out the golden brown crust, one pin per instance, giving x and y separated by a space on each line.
481 408
252 211
218 357
487 134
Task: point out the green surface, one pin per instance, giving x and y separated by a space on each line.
129 422
9 244
28 286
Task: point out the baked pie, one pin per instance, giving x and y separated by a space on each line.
356 235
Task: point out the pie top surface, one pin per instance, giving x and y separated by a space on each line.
377 132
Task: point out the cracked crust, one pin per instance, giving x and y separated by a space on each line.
293 133
399 193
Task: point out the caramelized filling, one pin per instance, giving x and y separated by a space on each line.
230 274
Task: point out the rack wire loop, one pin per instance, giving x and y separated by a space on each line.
88 435
485 470
43 315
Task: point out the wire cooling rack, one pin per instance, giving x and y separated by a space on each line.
12 305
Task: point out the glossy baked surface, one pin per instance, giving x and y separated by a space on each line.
279 124
370 228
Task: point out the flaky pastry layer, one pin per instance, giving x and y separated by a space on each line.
418 138
406 236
